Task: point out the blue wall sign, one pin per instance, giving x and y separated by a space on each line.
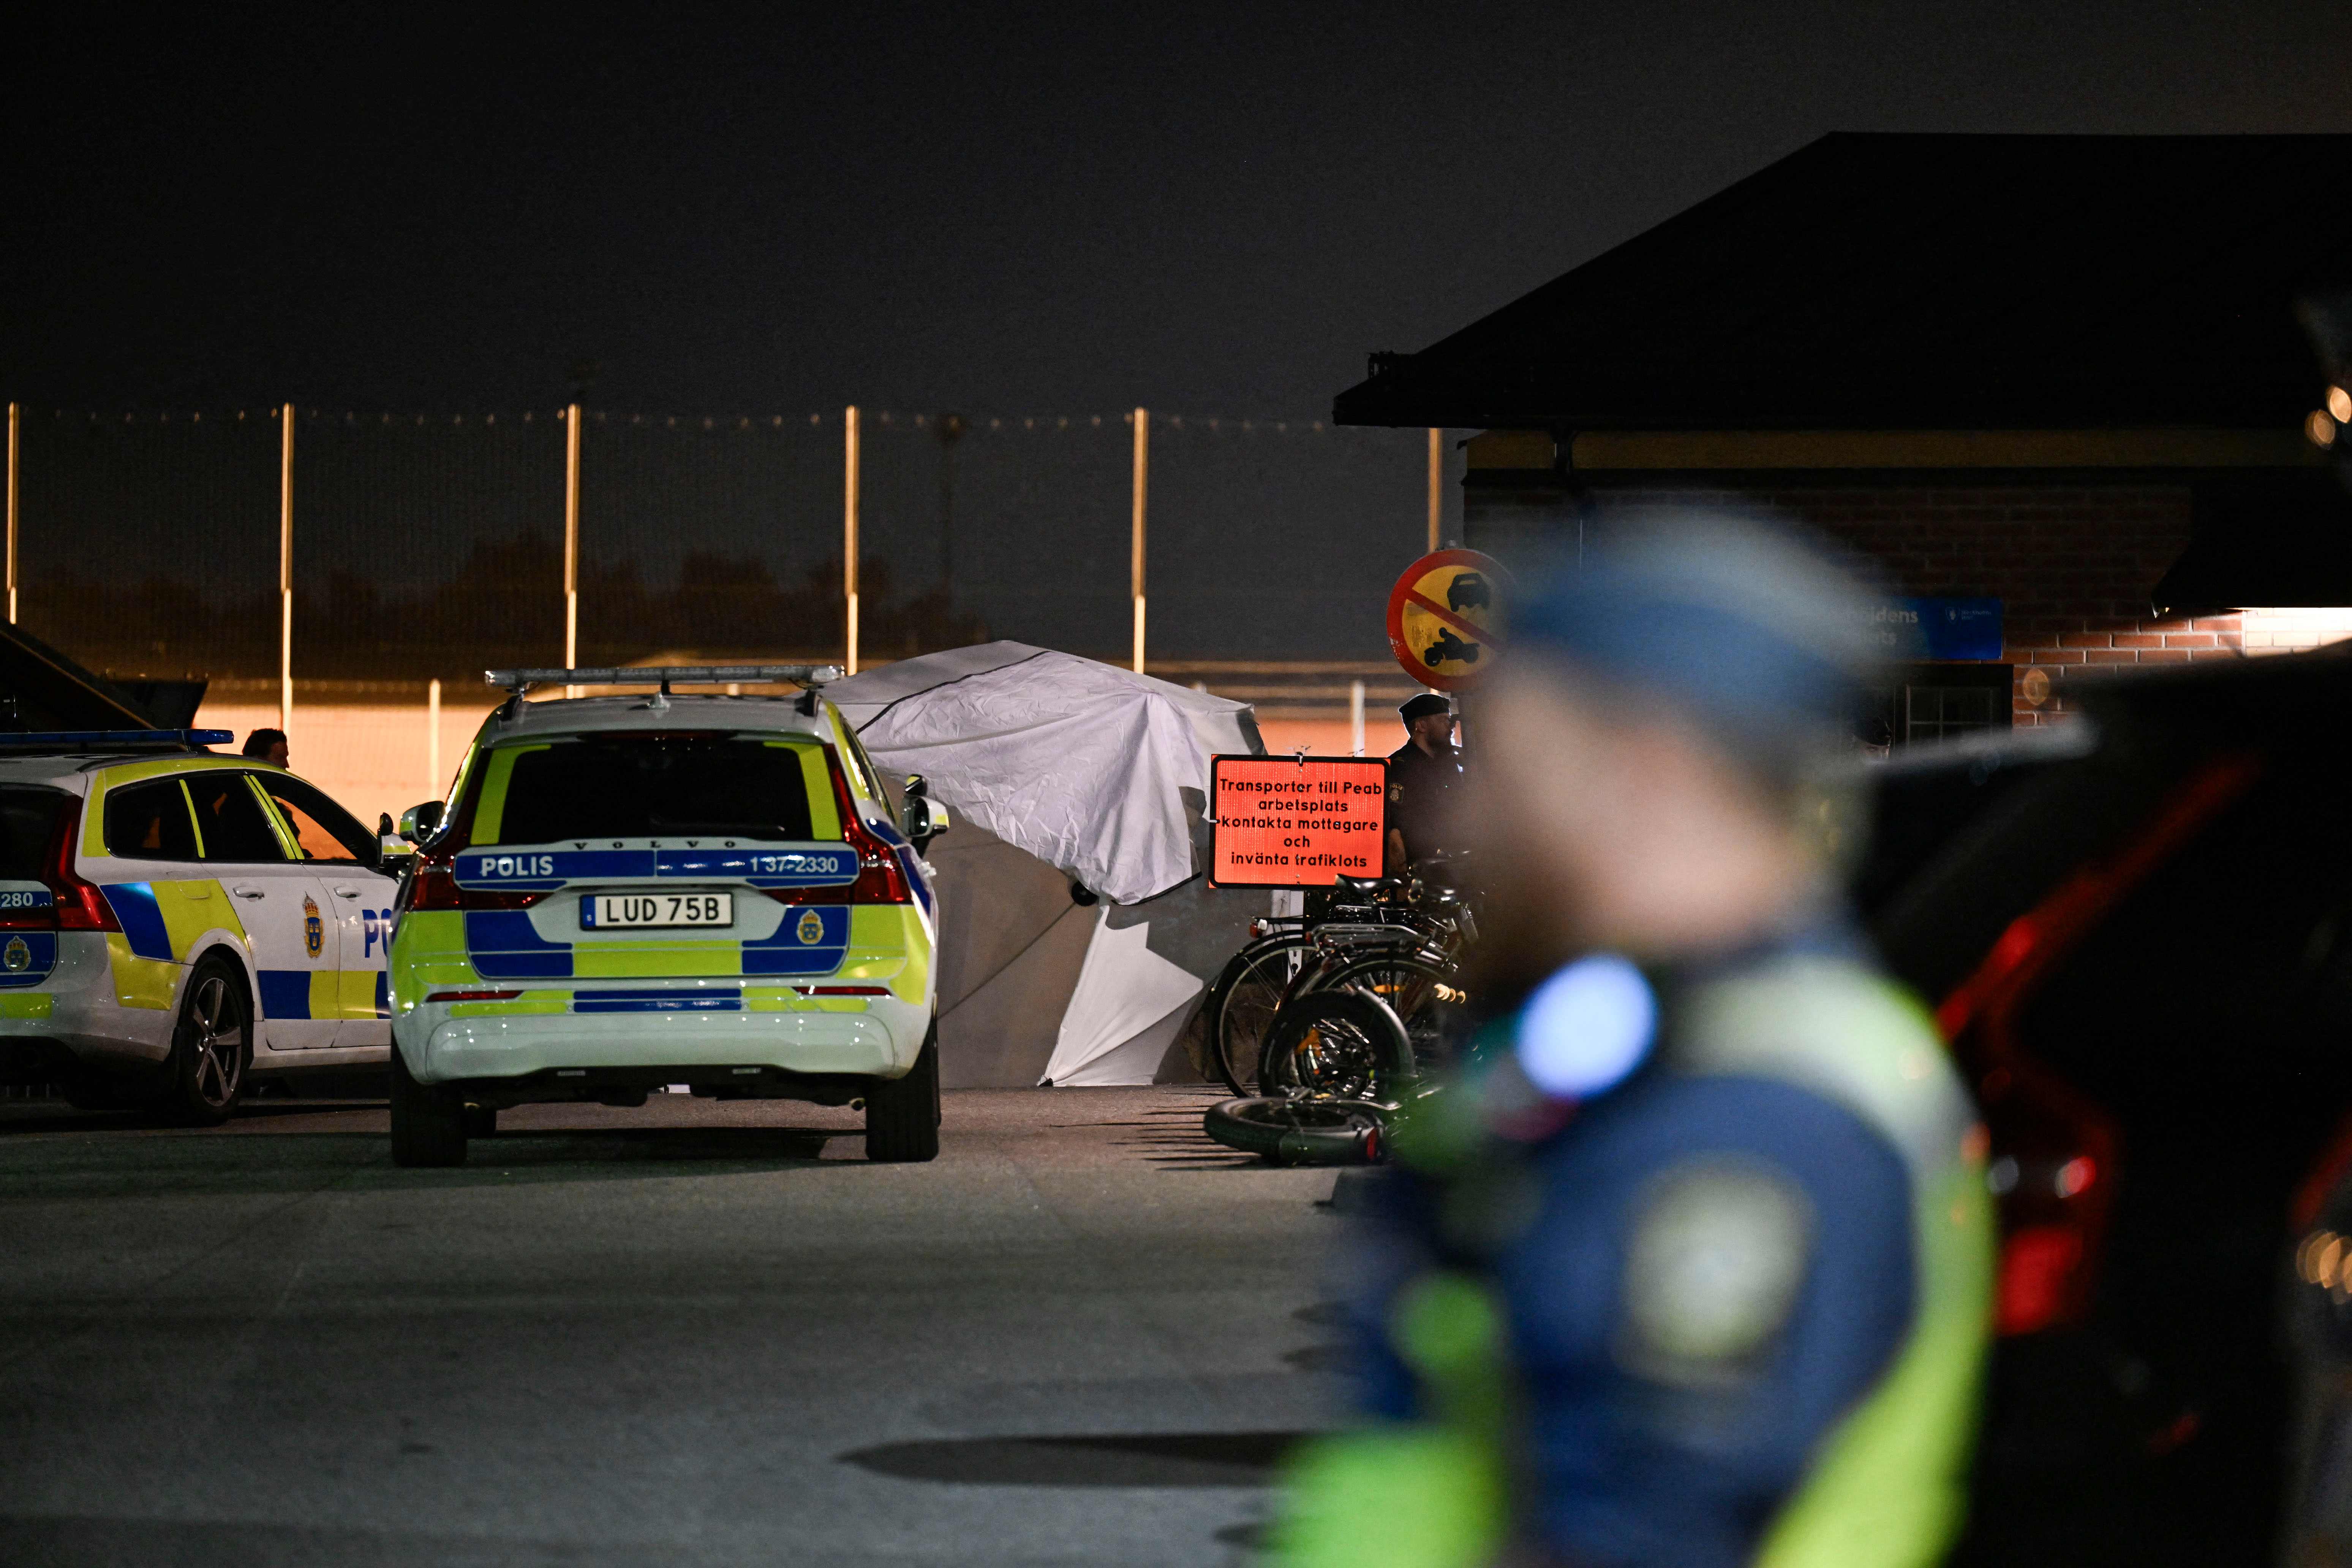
1939 628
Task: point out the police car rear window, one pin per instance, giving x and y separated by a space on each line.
150 821
28 825
650 786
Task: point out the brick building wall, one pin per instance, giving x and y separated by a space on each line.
2073 566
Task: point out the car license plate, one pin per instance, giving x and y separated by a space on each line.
656 912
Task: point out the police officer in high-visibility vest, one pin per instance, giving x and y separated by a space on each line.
1691 1265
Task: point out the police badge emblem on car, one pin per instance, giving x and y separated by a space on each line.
314 932
17 956
811 929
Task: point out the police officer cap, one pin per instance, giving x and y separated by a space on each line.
1737 621
1422 705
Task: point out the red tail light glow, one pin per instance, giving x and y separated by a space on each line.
433 883
81 905
2038 1266
473 995
434 886
880 879
2052 1226
843 990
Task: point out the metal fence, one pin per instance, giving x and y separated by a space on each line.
253 546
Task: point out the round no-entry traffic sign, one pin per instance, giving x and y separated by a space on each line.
1446 617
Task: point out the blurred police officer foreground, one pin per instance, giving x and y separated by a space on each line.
1691 1264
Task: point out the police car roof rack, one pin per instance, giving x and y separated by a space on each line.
520 682
116 739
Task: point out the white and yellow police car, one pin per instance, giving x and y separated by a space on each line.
623 893
174 924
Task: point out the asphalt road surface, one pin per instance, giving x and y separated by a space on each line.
683 1335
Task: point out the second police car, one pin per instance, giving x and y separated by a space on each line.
624 893
176 924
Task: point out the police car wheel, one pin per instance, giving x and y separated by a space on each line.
481 1120
212 1044
428 1120
902 1116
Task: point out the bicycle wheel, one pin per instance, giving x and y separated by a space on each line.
1424 995
1335 1045
1243 1002
1297 1131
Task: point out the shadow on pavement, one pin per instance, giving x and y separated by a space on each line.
1118 1459
614 1154
305 1160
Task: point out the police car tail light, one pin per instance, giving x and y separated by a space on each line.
81 906
880 879
434 886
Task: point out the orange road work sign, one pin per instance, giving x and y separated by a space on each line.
1295 822
1446 618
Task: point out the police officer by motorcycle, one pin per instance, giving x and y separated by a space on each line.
1692 1267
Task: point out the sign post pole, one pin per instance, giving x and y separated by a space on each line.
12 514
1436 485
1135 565
849 538
286 572
571 543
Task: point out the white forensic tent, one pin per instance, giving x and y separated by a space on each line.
1060 774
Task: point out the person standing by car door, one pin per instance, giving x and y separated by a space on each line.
1425 784
1694 1267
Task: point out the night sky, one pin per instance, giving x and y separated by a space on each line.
1216 211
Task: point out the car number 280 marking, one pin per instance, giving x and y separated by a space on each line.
642 910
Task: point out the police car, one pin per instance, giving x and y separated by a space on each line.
624 893
174 924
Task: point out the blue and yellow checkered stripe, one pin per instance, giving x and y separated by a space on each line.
161 922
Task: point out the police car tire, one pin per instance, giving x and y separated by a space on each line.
481 1120
902 1115
428 1120
200 1088
1297 1131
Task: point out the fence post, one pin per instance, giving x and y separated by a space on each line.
433 737
1135 566
571 543
286 572
1436 485
1356 717
849 536
12 514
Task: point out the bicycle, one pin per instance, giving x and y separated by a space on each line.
1290 956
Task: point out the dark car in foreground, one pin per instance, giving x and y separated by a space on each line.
2137 935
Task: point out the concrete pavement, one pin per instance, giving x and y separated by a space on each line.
683 1335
